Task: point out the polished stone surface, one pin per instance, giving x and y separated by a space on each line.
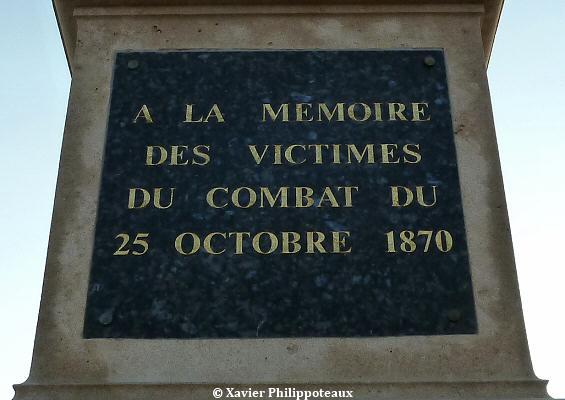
367 292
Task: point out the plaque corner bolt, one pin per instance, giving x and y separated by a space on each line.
133 64
429 61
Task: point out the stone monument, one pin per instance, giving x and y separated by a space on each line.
275 199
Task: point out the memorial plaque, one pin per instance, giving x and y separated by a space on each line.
254 194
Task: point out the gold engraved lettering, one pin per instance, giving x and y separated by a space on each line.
415 156
143 113
176 155
368 149
235 197
352 114
210 197
304 194
419 112
323 109
201 151
265 194
268 109
239 240
378 111
287 242
288 153
408 196
328 196
213 113
264 242
303 112
318 152
387 151
258 158
208 243
264 197
133 197
396 110
256 242
348 191
149 160
339 112
338 242
158 155
314 241
179 241
157 198
146 199
443 241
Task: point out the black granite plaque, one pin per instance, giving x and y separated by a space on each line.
299 194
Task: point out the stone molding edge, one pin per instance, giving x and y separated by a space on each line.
66 11
278 10
522 389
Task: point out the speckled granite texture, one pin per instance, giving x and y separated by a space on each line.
367 292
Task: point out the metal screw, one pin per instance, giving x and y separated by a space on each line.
454 315
133 64
429 61
106 317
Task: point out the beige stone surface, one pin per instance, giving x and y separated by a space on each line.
494 364
64 10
